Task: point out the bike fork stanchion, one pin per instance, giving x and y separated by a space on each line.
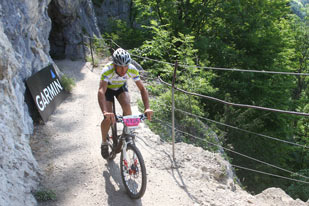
173 111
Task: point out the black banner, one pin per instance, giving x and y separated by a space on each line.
46 91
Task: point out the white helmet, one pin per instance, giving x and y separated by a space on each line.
121 57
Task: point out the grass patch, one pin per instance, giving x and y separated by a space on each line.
45 195
67 83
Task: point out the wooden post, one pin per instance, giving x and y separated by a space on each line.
173 110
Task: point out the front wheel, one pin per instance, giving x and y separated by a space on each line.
133 172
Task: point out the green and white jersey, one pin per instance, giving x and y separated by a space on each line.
114 80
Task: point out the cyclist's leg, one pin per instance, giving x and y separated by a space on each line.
124 100
105 124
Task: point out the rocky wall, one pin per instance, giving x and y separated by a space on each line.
24 49
108 11
70 20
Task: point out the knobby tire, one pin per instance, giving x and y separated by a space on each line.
142 172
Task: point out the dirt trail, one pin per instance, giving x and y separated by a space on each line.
70 153
67 149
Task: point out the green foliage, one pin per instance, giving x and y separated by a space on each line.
99 50
162 105
45 195
67 83
100 47
303 125
125 35
95 61
88 58
255 35
187 17
300 27
164 46
251 35
298 189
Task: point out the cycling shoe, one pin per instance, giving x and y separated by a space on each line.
104 151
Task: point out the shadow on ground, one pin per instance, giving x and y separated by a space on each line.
116 197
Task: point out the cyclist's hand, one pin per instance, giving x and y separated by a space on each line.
109 116
148 113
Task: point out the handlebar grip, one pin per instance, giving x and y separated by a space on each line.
143 116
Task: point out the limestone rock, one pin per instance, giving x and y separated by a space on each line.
110 10
24 49
71 19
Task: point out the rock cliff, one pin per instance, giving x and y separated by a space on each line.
70 20
108 11
26 30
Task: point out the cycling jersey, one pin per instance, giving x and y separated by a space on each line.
114 80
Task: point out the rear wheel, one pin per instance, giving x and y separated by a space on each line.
133 172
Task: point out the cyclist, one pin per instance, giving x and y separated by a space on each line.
113 83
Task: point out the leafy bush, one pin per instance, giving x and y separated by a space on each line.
165 47
126 36
68 83
298 189
161 124
100 50
88 58
100 47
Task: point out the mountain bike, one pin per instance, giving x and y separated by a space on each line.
132 166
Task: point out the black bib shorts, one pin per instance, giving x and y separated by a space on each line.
110 94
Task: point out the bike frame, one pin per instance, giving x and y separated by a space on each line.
126 133
131 166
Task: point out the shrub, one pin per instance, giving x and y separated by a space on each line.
68 83
45 195
298 189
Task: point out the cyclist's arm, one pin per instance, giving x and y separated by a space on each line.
145 98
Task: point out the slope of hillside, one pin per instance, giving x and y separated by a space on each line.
67 149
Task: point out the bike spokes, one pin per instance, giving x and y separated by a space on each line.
133 172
